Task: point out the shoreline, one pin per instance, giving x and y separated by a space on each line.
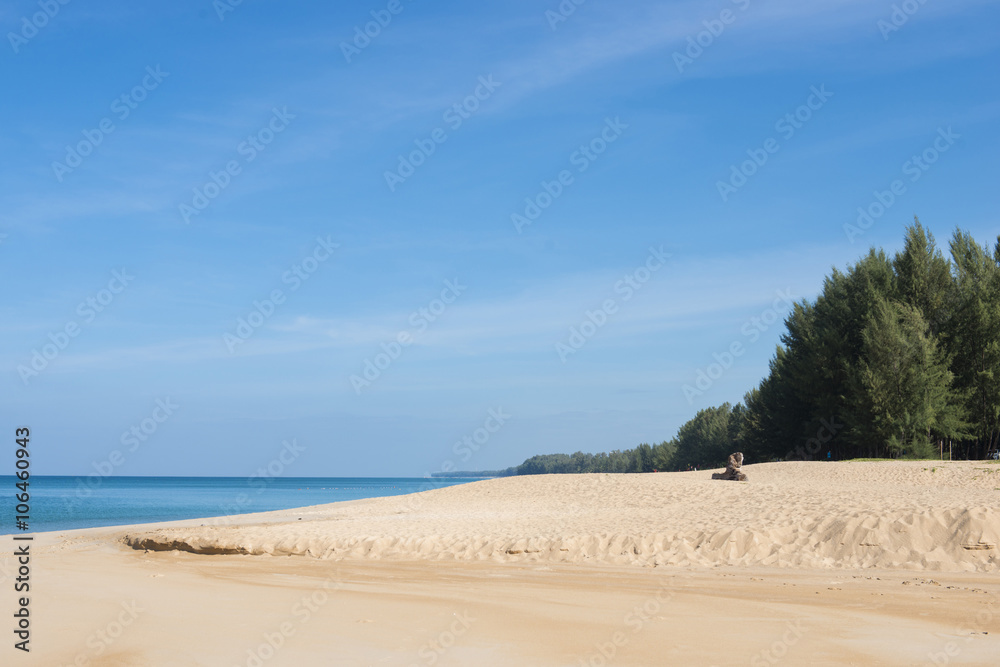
900 515
74 501
97 602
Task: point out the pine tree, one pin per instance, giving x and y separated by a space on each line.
893 356
906 381
704 440
974 339
923 278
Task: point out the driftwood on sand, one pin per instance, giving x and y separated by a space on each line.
733 471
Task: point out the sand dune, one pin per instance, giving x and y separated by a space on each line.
546 571
906 515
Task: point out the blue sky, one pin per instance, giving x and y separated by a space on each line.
287 127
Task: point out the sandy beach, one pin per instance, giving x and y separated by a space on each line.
855 563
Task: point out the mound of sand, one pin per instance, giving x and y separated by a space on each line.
911 515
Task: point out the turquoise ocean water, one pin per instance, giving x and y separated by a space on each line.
62 503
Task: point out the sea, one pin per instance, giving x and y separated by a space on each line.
66 503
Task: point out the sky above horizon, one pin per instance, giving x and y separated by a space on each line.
251 236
